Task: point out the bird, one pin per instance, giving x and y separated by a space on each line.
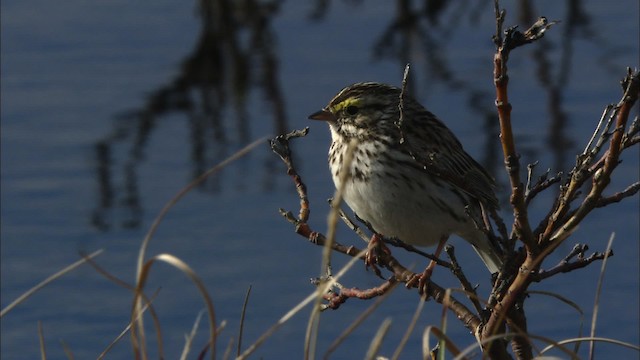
408 176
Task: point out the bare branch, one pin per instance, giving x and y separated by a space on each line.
504 44
629 191
543 183
280 145
335 299
602 177
566 266
466 285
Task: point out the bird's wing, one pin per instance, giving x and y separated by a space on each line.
440 153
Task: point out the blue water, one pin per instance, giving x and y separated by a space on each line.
83 81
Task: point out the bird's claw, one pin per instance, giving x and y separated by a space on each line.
421 281
374 254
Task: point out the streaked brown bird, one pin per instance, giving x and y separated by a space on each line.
408 178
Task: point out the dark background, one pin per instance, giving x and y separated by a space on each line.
110 107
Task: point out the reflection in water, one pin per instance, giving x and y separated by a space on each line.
214 80
236 38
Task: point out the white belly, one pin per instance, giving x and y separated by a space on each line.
419 216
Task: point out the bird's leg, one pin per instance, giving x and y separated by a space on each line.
374 250
424 278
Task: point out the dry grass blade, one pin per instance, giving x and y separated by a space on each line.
511 335
228 350
244 312
125 331
334 214
277 325
152 312
442 338
323 287
240 153
441 334
190 336
376 342
67 350
592 339
43 351
205 349
596 304
47 281
332 224
568 302
407 333
312 330
138 338
172 202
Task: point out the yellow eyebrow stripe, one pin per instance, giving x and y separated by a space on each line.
345 103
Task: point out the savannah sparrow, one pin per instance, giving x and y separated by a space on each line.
409 179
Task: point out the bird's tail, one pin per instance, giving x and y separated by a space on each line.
489 252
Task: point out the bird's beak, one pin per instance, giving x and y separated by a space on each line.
324 115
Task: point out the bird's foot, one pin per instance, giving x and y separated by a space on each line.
421 281
375 250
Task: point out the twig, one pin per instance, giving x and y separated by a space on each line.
565 266
469 289
335 299
280 145
631 138
602 177
630 141
504 44
401 244
352 225
530 168
543 183
317 238
578 250
607 111
400 121
521 227
629 191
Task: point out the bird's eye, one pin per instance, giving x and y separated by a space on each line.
352 110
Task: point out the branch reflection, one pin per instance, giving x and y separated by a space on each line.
234 56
